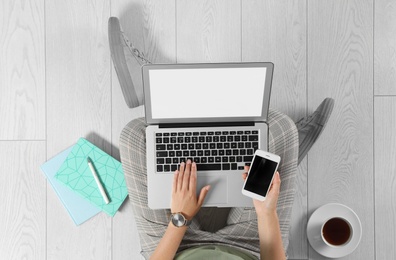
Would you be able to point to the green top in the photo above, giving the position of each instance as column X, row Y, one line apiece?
column 214, row 252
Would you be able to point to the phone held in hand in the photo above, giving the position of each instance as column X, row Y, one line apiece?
column 261, row 173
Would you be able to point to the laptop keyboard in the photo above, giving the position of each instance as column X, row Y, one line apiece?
column 211, row 150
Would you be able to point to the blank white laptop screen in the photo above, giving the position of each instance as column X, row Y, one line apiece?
column 207, row 92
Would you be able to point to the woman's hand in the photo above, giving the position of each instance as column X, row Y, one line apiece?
column 184, row 191
column 184, row 200
column 270, row 202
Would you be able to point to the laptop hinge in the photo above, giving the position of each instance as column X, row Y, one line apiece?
column 212, row 124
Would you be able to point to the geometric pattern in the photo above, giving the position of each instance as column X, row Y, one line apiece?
column 76, row 174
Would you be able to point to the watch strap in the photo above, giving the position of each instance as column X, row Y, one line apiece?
column 188, row 222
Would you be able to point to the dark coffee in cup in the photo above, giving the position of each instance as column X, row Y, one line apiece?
column 336, row 231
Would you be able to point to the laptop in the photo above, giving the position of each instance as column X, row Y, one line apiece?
column 214, row 114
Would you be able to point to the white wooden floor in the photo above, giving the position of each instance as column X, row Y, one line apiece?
column 57, row 84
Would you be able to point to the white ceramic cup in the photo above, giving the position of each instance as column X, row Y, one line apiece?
column 336, row 232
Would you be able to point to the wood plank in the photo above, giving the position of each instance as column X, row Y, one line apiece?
column 22, row 70
column 275, row 31
column 385, row 182
column 298, row 243
column 340, row 65
column 208, row 31
column 23, row 193
column 385, row 47
column 151, row 27
column 160, row 30
column 78, row 105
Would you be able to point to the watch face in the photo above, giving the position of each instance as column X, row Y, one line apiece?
column 178, row 220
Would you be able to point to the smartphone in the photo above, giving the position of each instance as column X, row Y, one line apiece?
column 261, row 173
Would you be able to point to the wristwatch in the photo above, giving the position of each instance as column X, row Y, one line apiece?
column 179, row 220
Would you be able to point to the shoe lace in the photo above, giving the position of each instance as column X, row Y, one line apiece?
column 138, row 54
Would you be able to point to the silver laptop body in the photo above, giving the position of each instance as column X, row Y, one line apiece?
column 213, row 114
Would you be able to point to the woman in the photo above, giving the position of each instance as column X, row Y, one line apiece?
column 248, row 233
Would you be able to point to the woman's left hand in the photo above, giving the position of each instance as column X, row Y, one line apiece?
column 271, row 200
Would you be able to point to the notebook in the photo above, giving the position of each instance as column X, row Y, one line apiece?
column 80, row 209
column 76, row 175
column 213, row 114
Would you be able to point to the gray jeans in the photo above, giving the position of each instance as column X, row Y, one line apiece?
column 240, row 225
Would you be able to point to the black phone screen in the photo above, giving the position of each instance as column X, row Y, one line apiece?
column 260, row 175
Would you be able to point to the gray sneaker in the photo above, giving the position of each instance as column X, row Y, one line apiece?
column 310, row 128
column 127, row 60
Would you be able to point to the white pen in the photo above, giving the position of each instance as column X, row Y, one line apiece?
column 101, row 189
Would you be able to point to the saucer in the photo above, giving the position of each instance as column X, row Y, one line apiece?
column 321, row 215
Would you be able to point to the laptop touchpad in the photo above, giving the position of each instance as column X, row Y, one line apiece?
column 218, row 189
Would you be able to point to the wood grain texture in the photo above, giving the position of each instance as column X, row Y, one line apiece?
column 208, row 31
column 385, row 47
column 385, row 177
column 298, row 243
column 23, row 203
column 160, row 30
column 78, row 74
column 275, row 31
column 340, row 65
column 22, row 70
column 78, row 105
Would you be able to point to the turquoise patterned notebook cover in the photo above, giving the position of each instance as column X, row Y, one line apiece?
column 75, row 173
